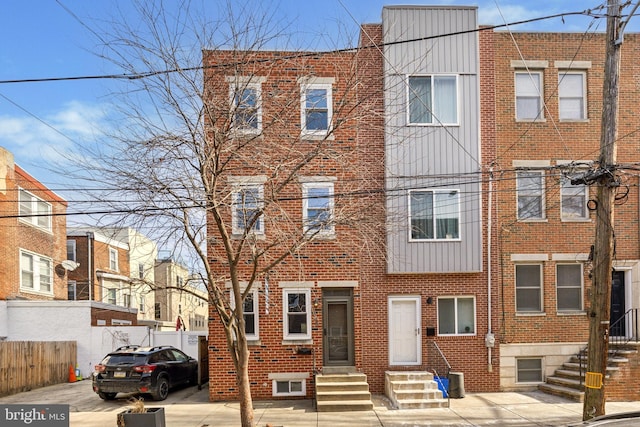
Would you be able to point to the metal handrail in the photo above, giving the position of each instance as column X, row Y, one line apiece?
column 618, row 333
column 440, row 360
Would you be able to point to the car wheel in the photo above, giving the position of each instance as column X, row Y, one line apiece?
column 162, row 389
column 107, row 396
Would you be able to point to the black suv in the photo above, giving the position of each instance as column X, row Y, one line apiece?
column 152, row 370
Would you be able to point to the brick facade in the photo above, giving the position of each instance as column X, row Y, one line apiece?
column 547, row 145
column 21, row 234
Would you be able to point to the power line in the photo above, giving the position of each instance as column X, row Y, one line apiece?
column 147, row 74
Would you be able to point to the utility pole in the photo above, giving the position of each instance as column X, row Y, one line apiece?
column 599, row 312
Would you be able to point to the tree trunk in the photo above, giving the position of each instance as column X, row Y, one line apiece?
column 244, row 385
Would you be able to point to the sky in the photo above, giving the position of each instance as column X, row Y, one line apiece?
column 59, row 38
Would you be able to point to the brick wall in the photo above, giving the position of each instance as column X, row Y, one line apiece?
column 18, row 234
column 556, row 141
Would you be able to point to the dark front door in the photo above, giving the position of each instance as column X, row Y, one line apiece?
column 337, row 327
column 617, row 305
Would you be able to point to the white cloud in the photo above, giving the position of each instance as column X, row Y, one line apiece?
column 32, row 140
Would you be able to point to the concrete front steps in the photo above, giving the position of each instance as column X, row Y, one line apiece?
column 346, row 391
column 565, row 382
column 413, row 390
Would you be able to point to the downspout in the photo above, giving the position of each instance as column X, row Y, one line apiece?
column 89, row 264
column 490, row 338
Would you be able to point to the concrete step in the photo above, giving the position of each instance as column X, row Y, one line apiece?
column 341, row 386
column 409, row 376
column 413, row 385
column 344, row 406
column 566, row 392
column 566, row 382
column 422, row 404
column 326, row 396
column 402, row 395
column 341, row 378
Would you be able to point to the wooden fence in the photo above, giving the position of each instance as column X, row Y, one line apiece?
column 25, row 365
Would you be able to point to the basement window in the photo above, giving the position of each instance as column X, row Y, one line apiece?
column 529, row 370
column 289, row 388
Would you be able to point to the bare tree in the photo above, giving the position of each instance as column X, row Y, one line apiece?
column 210, row 153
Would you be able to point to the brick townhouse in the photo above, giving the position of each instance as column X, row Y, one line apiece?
column 32, row 236
column 289, row 109
column 421, row 274
column 548, row 108
column 102, row 275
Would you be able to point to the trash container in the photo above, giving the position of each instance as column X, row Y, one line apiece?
column 456, row 385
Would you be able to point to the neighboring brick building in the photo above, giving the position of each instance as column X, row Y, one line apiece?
column 548, row 108
column 102, row 274
column 32, row 236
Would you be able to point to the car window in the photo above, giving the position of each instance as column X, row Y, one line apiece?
column 180, row 356
column 123, row 359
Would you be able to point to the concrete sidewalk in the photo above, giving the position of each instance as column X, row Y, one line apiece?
column 477, row 409
column 190, row 407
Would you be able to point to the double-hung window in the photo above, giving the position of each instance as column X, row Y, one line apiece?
column 456, row 316
column 113, row 259
column 529, row 288
column 316, row 108
column 573, row 200
column 434, row 215
column 433, row 100
column 36, row 272
column 71, row 250
column 530, row 191
column 569, row 287
column 317, row 208
column 297, row 314
column 245, row 95
column 247, row 209
column 250, row 314
column 571, row 95
column 528, row 95
column 33, row 210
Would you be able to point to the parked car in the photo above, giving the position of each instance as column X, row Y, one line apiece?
column 149, row 370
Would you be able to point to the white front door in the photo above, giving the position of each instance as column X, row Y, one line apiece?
column 404, row 330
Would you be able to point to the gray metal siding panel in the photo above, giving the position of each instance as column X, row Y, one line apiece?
column 414, row 154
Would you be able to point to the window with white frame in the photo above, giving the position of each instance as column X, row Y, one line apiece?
column 569, row 278
column 530, row 192
column 71, row 250
column 36, row 272
column 112, row 296
column 433, row 100
column 246, row 104
column 141, row 304
column 113, row 259
column 33, row 210
column 456, row 316
column 528, row 370
column 316, row 109
column 317, row 208
column 528, row 288
column 572, row 95
column 529, row 95
column 72, row 290
column 126, row 300
column 434, row 215
column 140, row 270
column 573, row 200
column 294, row 387
column 250, row 314
column 297, row 314
column 247, row 209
